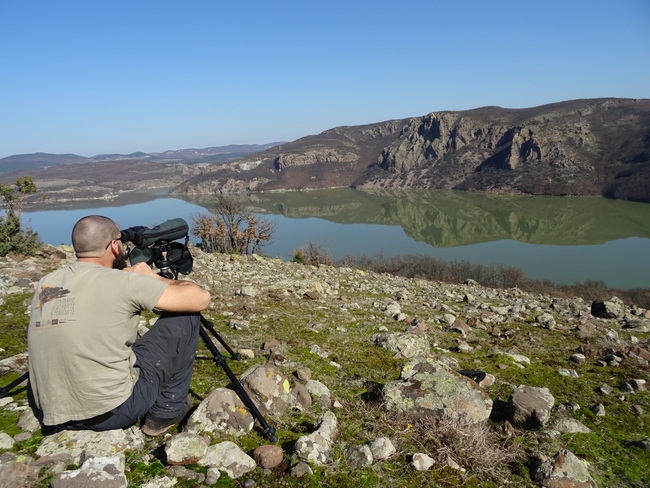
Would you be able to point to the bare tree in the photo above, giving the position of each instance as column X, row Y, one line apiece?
column 232, row 229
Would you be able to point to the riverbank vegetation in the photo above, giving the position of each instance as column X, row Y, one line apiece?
column 493, row 276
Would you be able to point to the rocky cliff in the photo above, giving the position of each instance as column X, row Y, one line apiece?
column 580, row 147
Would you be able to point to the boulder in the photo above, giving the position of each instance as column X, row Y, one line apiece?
column 228, row 458
column 604, row 309
column 315, row 448
column 268, row 456
column 408, row 345
column 430, row 388
column 269, row 388
column 221, row 411
column 185, row 448
column 530, row 406
column 75, row 442
column 99, row 472
column 565, row 470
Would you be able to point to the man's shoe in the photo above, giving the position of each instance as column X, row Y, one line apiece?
column 156, row 426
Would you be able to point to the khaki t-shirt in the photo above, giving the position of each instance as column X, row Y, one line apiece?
column 83, row 322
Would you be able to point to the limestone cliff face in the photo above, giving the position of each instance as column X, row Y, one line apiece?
column 437, row 136
column 584, row 147
column 321, row 156
column 579, row 147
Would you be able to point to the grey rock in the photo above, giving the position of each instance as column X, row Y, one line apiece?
column 530, row 406
column 100, row 472
column 18, row 364
column 228, row 458
column 578, row 358
column 604, row 309
column 408, row 345
column 328, row 426
column 430, row 388
column 160, row 482
column 317, row 389
column 17, row 472
column 359, row 456
column 564, row 470
column 221, row 411
column 571, row 373
column 315, row 448
column 546, row 320
column 179, row 471
column 185, row 448
column 300, row 397
column 637, row 409
column 269, row 388
column 569, row 425
column 74, row 443
column 421, row 462
column 212, row 475
column 301, row 469
column 605, row 389
column 382, row 448
column 28, row 421
column 6, row 441
column 598, row 409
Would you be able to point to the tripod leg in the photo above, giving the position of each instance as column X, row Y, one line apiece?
column 6, row 389
column 269, row 432
column 210, row 326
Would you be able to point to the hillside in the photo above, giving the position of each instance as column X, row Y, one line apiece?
column 579, row 147
column 68, row 177
column 362, row 354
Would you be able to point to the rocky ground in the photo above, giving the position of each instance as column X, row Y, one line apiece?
column 373, row 378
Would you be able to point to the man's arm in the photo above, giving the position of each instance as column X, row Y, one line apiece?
column 179, row 296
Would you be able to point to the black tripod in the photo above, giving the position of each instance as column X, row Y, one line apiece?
column 6, row 389
column 220, row 360
column 164, row 255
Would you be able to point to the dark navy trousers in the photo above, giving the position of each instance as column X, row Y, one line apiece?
column 165, row 360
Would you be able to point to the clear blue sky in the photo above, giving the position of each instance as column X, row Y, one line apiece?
column 90, row 77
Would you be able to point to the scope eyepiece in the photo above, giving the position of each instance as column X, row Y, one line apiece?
column 133, row 234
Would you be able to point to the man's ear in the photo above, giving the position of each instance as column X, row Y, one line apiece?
column 115, row 247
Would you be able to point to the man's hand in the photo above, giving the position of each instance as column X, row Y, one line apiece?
column 141, row 268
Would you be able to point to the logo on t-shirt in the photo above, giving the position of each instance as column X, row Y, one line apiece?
column 49, row 293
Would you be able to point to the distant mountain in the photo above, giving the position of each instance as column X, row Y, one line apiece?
column 578, row 147
column 213, row 155
column 37, row 160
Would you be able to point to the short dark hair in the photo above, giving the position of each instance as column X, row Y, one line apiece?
column 91, row 234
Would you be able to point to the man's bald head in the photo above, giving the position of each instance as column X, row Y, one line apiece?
column 92, row 234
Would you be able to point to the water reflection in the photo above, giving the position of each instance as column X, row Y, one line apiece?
column 452, row 219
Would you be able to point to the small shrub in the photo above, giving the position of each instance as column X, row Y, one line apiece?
column 313, row 255
column 13, row 238
column 298, row 256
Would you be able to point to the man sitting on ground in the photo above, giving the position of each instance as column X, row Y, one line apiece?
column 86, row 369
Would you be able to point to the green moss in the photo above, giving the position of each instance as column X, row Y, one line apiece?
column 13, row 324
column 625, row 466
